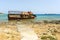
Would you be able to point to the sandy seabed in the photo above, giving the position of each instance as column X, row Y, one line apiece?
column 29, row 30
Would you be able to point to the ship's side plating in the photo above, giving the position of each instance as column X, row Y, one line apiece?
column 12, row 15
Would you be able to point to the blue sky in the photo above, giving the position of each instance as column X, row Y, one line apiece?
column 36, row 6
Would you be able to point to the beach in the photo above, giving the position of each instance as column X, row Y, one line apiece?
column 30, row 30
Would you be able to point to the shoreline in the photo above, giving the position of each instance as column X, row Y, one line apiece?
column 43, row 28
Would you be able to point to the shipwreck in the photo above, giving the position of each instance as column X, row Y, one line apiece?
column 17, row 15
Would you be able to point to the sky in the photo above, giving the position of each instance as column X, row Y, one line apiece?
column 36, row 6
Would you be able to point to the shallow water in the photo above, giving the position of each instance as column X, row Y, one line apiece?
column 39, row 17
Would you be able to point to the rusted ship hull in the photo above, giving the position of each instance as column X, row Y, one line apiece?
column 19, row 16
column 15, row 15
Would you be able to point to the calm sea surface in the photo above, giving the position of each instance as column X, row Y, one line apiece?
column 40, row 17
column 3, row 17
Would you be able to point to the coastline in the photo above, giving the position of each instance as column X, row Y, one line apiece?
column 43, row 28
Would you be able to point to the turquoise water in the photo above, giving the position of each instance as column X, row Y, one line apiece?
column 4, row 17
column 41, row 17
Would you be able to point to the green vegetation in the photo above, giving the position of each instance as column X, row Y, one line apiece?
column 48, row 38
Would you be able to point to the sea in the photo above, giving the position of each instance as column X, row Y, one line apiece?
column 39, row 17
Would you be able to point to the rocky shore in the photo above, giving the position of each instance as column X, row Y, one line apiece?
column 44, row 30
